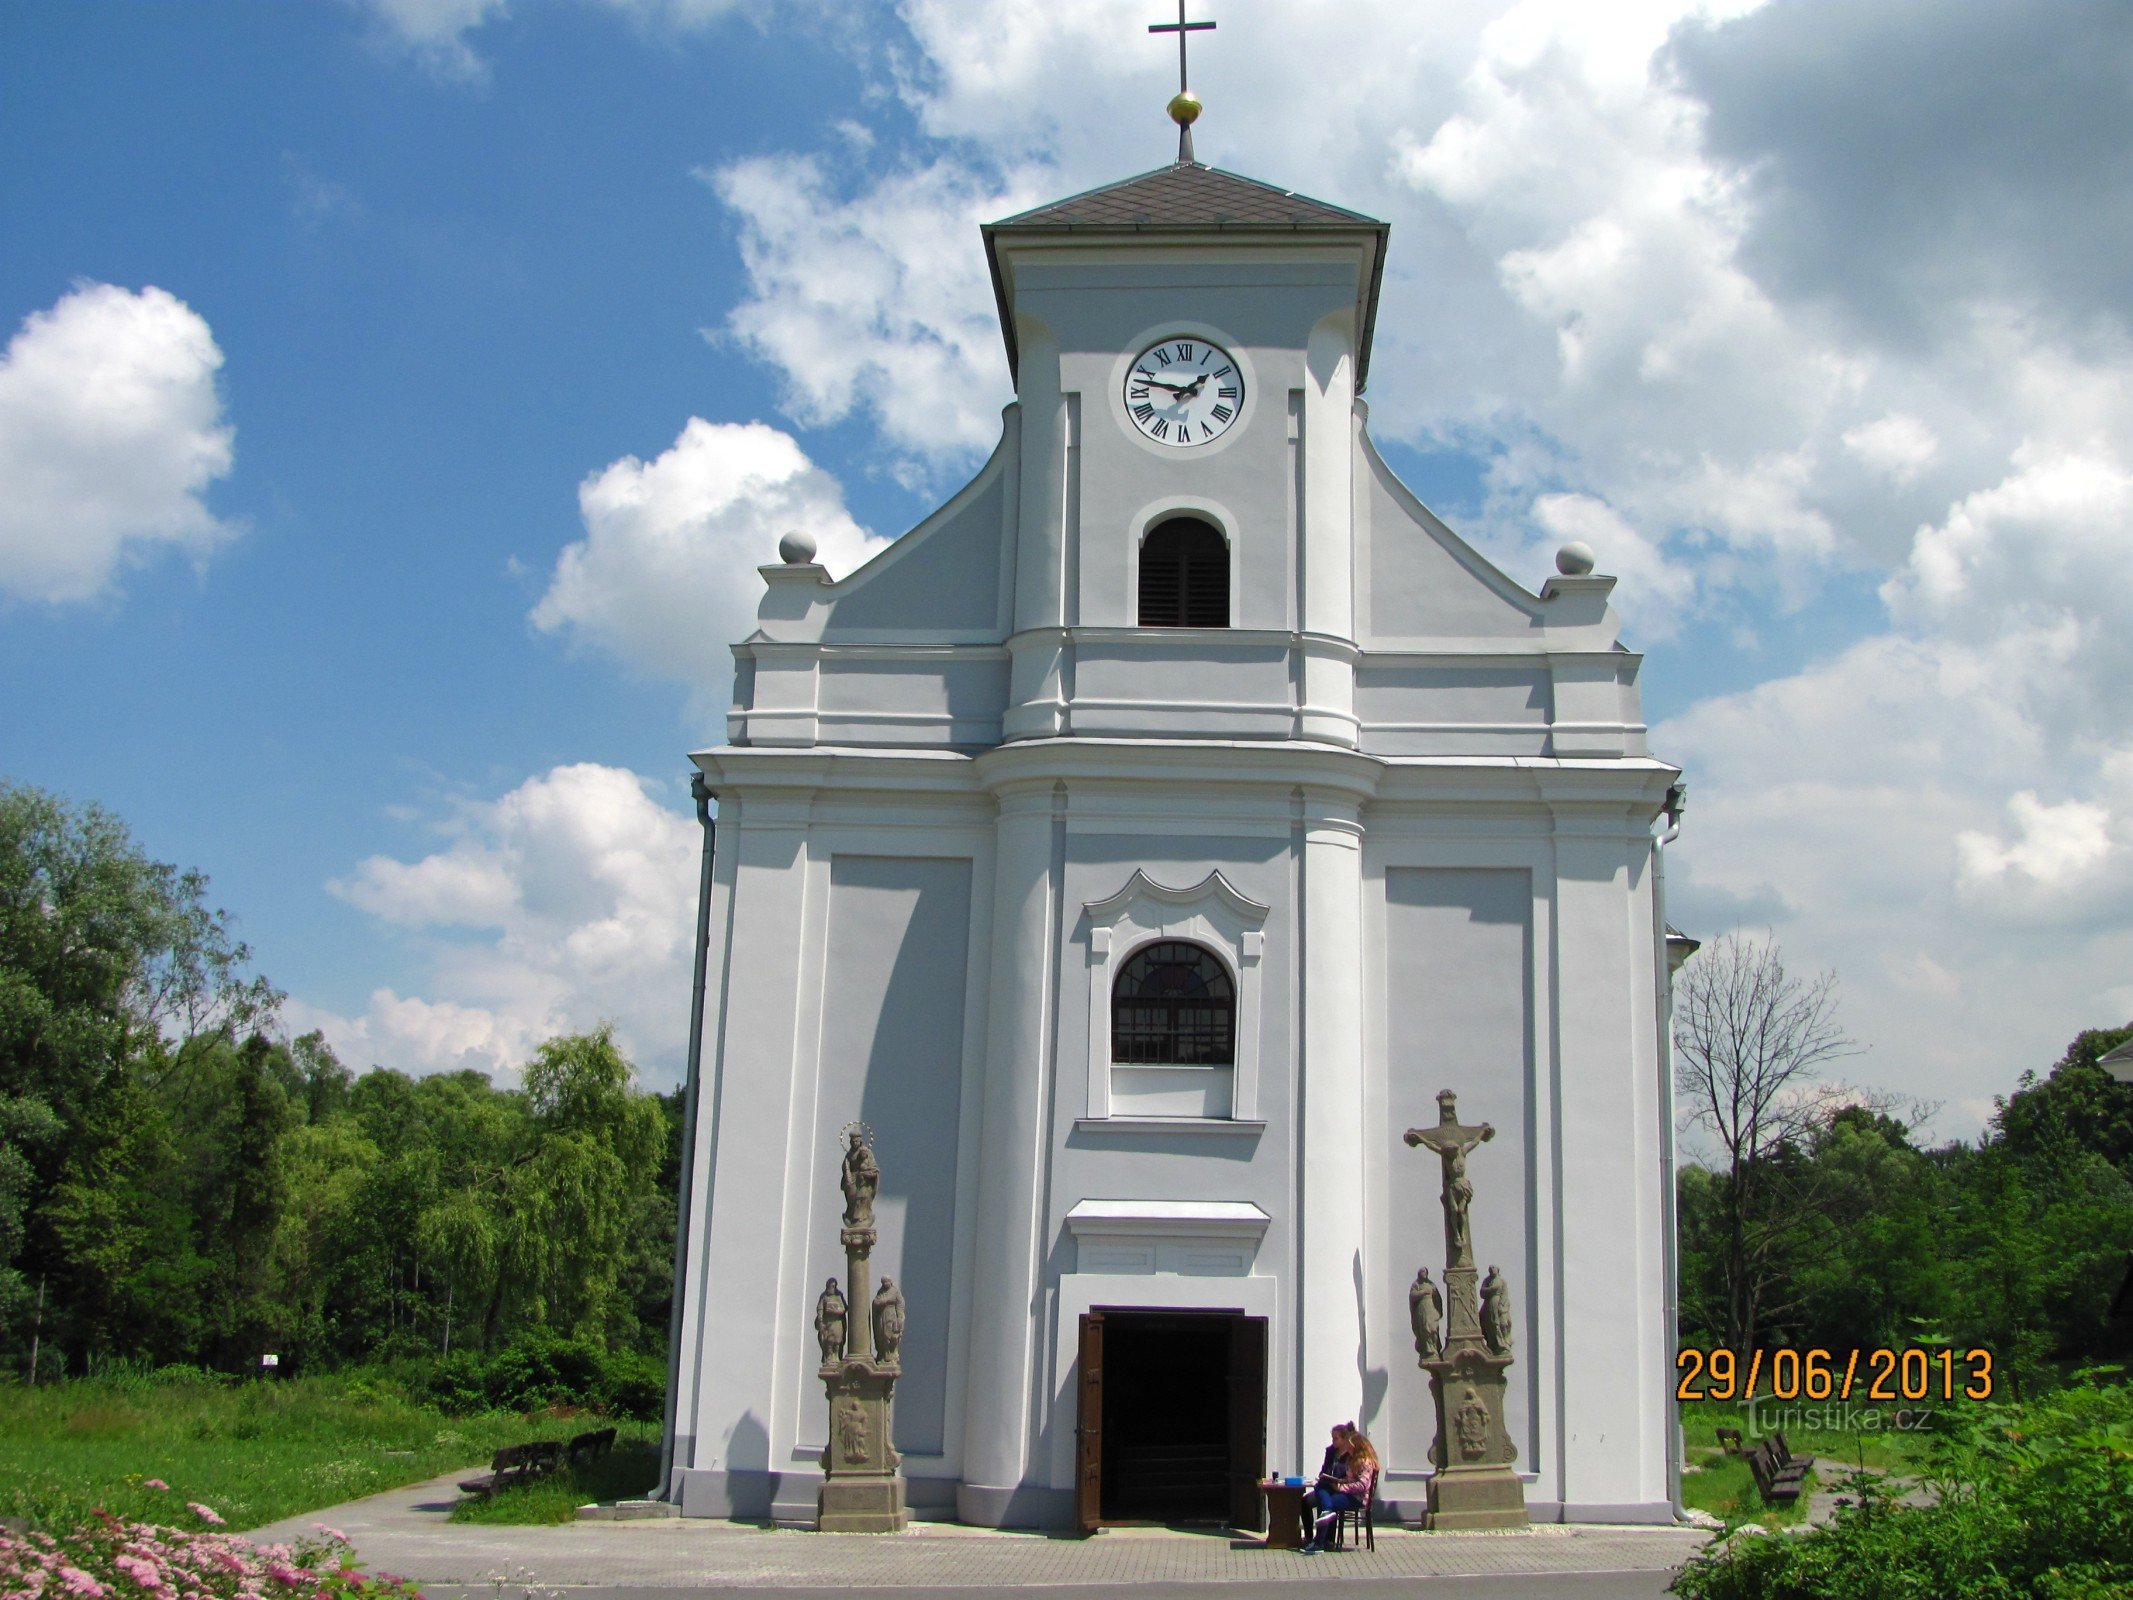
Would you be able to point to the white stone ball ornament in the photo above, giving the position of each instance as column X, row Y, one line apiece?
column 1575, row 559
column 797, row 548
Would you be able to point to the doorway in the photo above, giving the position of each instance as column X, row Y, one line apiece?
column 1172, row 1417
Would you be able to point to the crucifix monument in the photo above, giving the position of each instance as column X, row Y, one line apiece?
column 862, row 1492
column 1474, row 1485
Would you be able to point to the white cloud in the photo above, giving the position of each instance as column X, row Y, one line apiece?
column 111, row 432
column 1900, row 446
column 876, row 303
column 567, row 901
column 435, row 32
column 2057, row 845
column 665, row 577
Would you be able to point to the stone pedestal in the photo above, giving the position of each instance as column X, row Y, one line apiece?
column 1474, row 1485
column 861, row 1490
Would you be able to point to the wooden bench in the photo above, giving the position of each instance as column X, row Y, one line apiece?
column 1777, row 1472
column 1784, row 1450
column 518, row 1463
column 1729, row 1440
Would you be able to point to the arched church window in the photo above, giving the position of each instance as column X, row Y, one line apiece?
column 1174, row 1005
column 1184, row 576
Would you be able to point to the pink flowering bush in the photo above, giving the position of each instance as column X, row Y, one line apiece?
column 109, row 1559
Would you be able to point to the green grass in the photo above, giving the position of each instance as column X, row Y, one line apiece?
column 1859, row 1436
column 1724, row 1487
column 1870, row 1438
column 253, row 1451
column 627, row 1472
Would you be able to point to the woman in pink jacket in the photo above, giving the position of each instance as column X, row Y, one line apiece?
column 1345, row 1483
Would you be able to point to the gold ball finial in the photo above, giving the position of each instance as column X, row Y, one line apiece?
column 1184, row 108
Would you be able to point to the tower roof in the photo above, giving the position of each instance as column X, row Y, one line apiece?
column 1189, row 197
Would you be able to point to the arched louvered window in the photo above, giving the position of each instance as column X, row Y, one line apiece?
column 1174, row 1005
column 1184, row 576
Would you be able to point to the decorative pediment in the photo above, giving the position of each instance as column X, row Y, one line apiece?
column 1210, row 892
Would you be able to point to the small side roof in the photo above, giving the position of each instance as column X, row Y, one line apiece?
column 1193, row 198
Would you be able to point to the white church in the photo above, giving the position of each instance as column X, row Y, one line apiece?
column 1137, row 846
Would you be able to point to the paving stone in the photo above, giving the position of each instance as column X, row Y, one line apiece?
column 406, row 1532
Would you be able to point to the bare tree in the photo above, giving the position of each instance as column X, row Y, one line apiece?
column 1748, row 1038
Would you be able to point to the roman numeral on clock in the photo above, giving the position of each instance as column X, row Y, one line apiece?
column 1161, row 429
column 1143, row 412
column 1228, row 391
column 1221, row 414
column 1184, row 352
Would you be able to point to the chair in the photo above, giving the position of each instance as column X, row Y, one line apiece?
column 1364, row 1518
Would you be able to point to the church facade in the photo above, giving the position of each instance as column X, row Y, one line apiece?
column 1137, row 847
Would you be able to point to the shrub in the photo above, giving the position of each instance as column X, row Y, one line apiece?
column 107, row 1559
column 636, row 1386
column 2028, row 1500
column 537, row 1370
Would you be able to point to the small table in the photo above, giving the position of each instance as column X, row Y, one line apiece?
column 1284, row 1515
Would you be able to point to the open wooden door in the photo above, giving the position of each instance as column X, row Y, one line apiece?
column 1247, row 1421
column 1089, row 1426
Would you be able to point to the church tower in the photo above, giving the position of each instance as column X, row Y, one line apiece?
column 1138, row 845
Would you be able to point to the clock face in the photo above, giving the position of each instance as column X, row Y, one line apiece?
column 1184, row 391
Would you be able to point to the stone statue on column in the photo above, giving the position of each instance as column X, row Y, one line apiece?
column 888, row 1320
column 859, row 1331
column 1425, row 1312
column 1496, row 1312
column 1474, row 1485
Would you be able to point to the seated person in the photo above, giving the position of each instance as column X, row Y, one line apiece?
column 1346, row 1481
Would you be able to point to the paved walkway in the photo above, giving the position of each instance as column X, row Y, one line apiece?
column 405, row 1532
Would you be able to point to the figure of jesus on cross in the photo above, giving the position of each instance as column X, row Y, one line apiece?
column 1452, row 1140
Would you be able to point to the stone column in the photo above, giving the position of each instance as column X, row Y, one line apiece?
column 862, row 1492
column 1331, row 1386
column 1610, row 1128
column 1043, row 442
column 732, row 1369
column 1327, row 612
column 1474, row 1485
column 1004, row 1261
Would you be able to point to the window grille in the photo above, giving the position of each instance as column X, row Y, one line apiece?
column 1173, row 1004
column 1184, row 576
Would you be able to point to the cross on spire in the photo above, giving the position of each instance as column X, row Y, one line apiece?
column 1184, row 107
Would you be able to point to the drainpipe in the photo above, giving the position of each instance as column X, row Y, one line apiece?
column 701, row 794
column 1677, row 801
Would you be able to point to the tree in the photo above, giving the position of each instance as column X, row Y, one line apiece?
column 1748, row 1038
column 109, row 963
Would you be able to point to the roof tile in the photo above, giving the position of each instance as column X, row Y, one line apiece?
column 1188, row 196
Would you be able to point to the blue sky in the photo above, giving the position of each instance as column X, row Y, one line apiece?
column 369, row 557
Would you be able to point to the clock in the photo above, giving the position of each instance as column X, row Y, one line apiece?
column 1183, row 391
